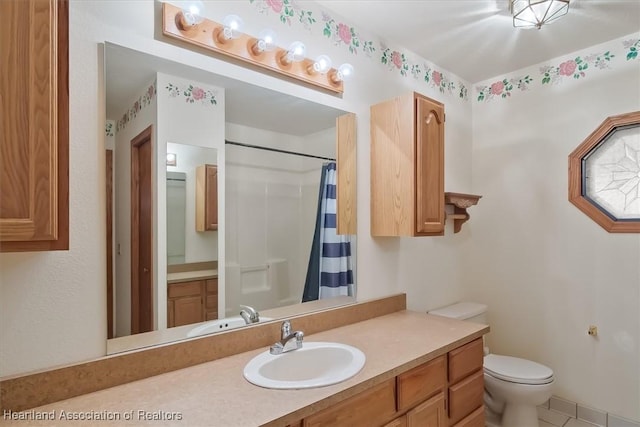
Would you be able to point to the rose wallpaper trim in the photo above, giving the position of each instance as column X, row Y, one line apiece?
column 632, row 45
column 576, row 68
column 346, row 36
column 108, row 128
column 192, row 94
column 143, row 101
column 286, row 10
column 342, row 34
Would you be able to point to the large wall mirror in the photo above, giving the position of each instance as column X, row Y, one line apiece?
column 219, row 195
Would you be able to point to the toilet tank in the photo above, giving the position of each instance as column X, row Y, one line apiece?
column 471, row 311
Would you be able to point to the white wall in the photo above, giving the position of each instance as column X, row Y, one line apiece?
column 52, row 305
column 126, row 131
column 545, row 269
column 197, row 121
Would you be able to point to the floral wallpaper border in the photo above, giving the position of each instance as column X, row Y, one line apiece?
column 192, row 94
column 344, row 35
column 109, row 128
column 570, row 69
column 350, row 38
column 142, row 102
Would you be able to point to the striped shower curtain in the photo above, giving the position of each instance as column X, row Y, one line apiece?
column 330, row 271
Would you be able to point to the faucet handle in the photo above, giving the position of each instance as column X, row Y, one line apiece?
column 285, row 329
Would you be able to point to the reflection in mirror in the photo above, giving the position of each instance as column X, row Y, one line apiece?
column 231, row 225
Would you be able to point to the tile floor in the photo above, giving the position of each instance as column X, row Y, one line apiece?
column 551, row 418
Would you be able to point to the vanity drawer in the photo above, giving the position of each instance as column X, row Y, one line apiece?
column 465, row 397
column 185, row 289
column 377, row 403
column 465, row 360
column 475, row 419
column 421, row 382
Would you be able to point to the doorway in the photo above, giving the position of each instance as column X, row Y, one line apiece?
column 142, row 232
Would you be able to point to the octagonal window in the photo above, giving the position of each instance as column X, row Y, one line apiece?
column 604, row 174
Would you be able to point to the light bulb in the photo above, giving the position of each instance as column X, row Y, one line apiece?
column 296, row 52
column 343, row 73
column 232, row 27
column 322, row 64
column 191, row 14
column 266, row 41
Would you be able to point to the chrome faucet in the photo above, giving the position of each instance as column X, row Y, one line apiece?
column 249, row 314
column 286, row 342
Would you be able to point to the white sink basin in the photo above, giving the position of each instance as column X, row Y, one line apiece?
column 220, row 325
column 316, row 364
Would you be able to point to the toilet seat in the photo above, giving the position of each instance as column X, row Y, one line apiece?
column 516, row 370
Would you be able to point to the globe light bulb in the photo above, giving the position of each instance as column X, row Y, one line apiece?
column 266, row 41
column 322, row 64
column 232, row 27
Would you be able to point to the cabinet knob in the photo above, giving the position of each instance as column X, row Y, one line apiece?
column 145, row 269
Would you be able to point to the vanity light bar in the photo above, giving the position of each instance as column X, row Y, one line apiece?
column 207, row 35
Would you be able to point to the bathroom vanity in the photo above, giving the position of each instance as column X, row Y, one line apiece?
column 420, row 370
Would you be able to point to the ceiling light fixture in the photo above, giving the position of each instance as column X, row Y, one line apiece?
column 536, row 13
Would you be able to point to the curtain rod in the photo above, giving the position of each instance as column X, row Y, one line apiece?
column 277, row 150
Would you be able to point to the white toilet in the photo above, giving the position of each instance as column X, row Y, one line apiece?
column 513, row 387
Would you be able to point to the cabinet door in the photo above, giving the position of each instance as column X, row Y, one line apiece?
column 428, row 414
column 211, row 197
column 206, row 198
column 430, row 213
column 34, row 111
column 187, row 310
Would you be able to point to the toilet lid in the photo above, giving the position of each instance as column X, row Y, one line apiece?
column 517, row 370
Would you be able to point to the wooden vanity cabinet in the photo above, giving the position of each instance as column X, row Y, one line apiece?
column 192, row 302
column 407, row 167
column 444, row 392
column 466, row 384
column 206, row 198
column 34, row 135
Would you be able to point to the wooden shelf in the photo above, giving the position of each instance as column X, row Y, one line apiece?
column 460, row 202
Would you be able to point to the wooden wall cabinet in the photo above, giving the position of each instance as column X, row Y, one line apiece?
column 444, row 392
column 407, row 167
column 206, row 198
column 34, row 129
column 192, row 302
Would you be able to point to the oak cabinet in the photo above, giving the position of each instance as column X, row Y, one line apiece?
column 407, row 167
column 206, row 198
column 444, row 392
column 192, row 302
column 34, row 144
column 428, row 414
